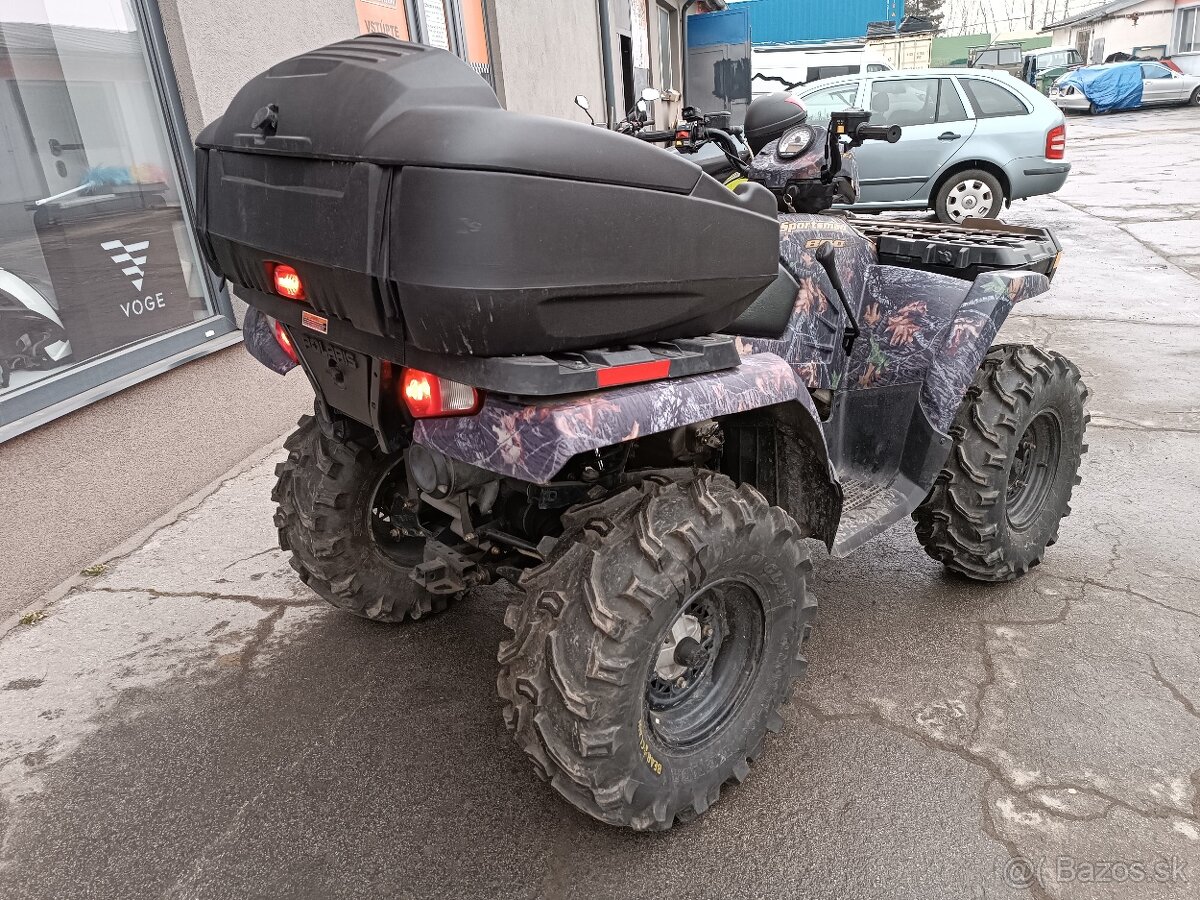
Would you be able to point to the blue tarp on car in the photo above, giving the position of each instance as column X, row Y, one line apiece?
column 1109, row 87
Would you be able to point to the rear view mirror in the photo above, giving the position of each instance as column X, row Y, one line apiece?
column 582, row 102
column 651, row 94
column 643, row 106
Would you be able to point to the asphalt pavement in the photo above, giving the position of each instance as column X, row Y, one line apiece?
column 191, row 722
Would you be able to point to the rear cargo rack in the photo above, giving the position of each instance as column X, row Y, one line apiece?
column 585, row 370
column 961, row 251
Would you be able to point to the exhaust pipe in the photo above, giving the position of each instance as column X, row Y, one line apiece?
column 439, row 476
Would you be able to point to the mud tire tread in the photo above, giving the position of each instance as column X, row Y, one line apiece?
column 570, row 673
column 962, row 523
column 320, row 491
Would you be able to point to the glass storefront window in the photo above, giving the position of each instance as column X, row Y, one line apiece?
column 96, row 252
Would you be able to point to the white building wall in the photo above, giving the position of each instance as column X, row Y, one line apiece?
column 548, row 52
column 1189, row 62
column 218, row 45
column 544, row 52
column 1124, row 34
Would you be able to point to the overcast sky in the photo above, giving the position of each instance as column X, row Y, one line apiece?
column 993, row 16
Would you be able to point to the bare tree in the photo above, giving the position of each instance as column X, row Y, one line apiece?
column 930, row 10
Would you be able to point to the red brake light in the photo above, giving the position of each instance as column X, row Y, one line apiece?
column 428, row 396
column 1056, row 143
column 287, row 282
column 285, row 341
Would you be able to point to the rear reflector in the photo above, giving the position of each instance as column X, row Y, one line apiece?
column 285, row 341
column 635, row 373
column 428, row 396
column 287, row 282
column 1056, row 143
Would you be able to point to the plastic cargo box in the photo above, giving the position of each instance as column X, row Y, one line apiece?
column 961, row 251
column 414, row 208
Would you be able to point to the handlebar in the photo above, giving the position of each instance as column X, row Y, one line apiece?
column 656, row 137
column 889, row 133
column 724, row 140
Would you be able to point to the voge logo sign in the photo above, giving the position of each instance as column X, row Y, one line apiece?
column 135, row 273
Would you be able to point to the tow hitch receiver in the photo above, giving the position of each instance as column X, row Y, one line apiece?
column 447, row 571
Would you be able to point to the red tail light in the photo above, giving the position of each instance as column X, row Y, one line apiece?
column 1056, row 143
column 287, row 282
column 428, row 396
column 285, row 341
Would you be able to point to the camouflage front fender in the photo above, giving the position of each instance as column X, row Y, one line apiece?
column 968, row 337
column 532, row 440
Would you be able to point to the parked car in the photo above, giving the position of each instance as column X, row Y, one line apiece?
column 1045, row 66
column 1161, row 86
column 1004, row 57
column 973, row 140
column 784, row 67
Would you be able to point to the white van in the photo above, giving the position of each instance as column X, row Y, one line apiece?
column 784, row 67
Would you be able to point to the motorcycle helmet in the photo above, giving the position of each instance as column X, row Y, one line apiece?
column 769, row 116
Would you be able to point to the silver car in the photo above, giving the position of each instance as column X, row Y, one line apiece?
column 1161, row 86
column 973, row 139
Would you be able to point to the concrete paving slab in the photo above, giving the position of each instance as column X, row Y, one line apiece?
column 83, row 484
column 1176, row 237
column 1106, row 273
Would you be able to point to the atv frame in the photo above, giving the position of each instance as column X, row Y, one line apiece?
column 860, row 394
column 647, row 487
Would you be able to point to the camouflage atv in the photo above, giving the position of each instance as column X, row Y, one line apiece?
column 557, row 356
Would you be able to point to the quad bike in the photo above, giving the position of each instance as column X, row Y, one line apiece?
column 557, row 356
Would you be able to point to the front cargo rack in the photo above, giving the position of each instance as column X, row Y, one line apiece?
column 961, row 251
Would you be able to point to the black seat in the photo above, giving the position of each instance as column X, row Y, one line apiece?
column 759, row 198
column 768, row 316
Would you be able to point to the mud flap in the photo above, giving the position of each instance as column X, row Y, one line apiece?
column 258, row 336
column 888, row 454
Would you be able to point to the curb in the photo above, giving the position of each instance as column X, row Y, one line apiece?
column 67, row 586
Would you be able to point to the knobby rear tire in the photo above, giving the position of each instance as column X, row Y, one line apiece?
column 324, row 491
column 574, row 674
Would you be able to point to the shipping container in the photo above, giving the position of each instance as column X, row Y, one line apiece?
column 780, row 21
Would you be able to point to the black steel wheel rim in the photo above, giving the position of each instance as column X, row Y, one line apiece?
column 394, row 529
column 1034, row 469
column 689, row 703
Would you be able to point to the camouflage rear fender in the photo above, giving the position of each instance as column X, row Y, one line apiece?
column 967, row 339
column 532, row 440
